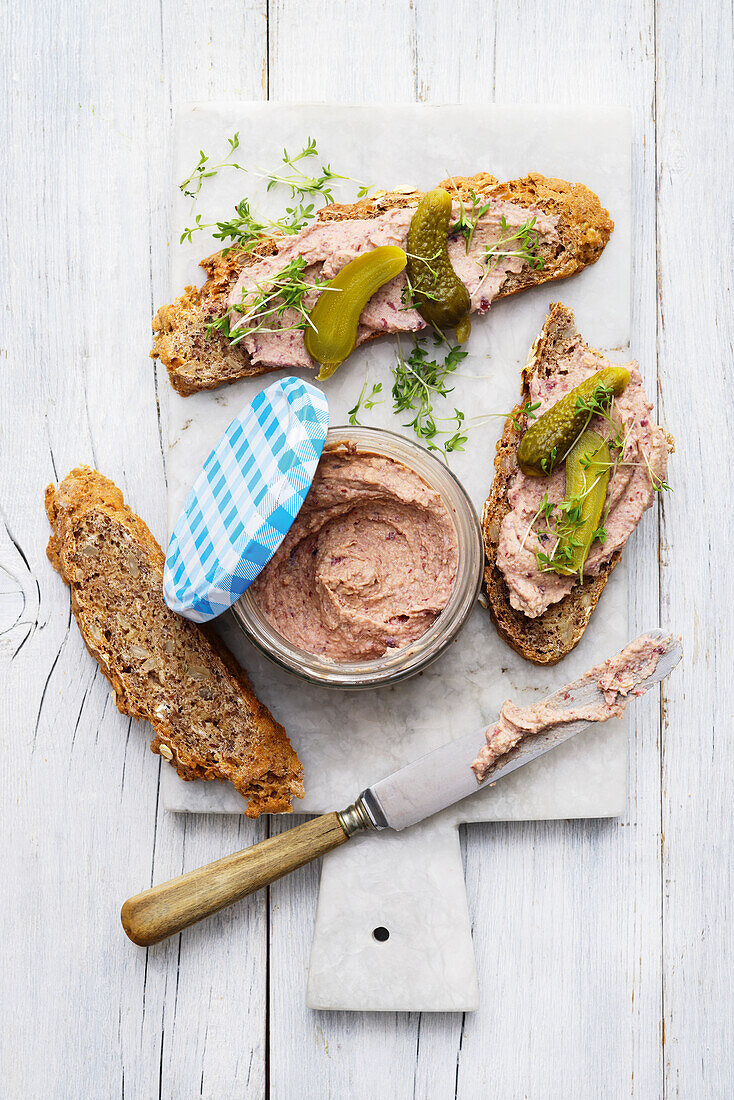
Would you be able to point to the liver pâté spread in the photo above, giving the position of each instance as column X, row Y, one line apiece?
column 618, row 680
column 368, row 564
column 328, row 245
column 642, row 466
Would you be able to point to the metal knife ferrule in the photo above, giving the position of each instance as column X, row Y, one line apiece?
column 365, row 814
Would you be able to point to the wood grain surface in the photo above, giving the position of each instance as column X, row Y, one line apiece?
column 605, row 949
column 169, row 907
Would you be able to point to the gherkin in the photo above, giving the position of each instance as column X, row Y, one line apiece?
column 547, row 440
column 438, row 293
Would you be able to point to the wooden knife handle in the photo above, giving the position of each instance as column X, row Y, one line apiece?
column 164, row 910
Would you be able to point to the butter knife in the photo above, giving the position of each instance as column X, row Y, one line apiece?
column 417, row 791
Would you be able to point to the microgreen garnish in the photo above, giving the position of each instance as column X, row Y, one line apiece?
column 220, row 325
column 418, row 380
column 598, row 401
column 546, row 508
column 528, row 240
column 545, row 511
column 244, row 229
column 205, row 169
column 287, row 289
column 658, row 484
column 549, row 461
column 527, row 410
column 300, row 183
column 364, row 401
column 466, row 223
column 407, row 294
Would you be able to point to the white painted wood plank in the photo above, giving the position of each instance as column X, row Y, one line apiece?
column 343, row 1054
column 69, row 838
column 80, row 1006
column 694, row 157
column 357, row 53
column 572, row 991
column 330, row 51
column 216, row 1002
column 586, row 930
column 87, row 124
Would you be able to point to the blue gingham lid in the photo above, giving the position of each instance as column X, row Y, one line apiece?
column 245, row 499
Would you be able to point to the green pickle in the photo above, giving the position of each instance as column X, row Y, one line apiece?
column 438, row 293
column 332, row 334
column 548, row 439
column 587, row 479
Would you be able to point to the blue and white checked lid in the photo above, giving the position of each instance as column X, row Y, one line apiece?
column 245, row 499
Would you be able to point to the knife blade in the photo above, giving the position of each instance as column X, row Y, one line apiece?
column 443, row 777
column 417, row 791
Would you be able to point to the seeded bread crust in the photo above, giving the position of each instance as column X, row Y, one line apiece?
column 174, row 673
column 550, row 637
column 196, row 361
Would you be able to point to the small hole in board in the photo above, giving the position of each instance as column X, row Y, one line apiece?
column 380, row 934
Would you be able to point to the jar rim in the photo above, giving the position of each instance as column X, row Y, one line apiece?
column 409, row 660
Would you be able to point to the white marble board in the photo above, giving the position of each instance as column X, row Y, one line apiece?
column 413, row 884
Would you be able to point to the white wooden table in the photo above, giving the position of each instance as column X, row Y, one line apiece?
column 605, row 949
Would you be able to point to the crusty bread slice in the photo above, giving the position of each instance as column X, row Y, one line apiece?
column 196, row 361
column 548, row 638
column 179, row 676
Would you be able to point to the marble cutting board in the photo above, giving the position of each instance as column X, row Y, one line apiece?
column 412, row 883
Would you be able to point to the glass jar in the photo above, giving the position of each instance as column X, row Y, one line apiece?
column 397, row 664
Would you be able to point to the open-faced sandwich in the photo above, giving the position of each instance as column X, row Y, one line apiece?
column 464, row 244
column 578, row 463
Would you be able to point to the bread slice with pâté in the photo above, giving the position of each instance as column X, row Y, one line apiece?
column 550, row 636
column 178, row 675
column 199, row 358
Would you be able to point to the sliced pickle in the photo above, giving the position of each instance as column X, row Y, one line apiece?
column 587, row 479
column 332, row 334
